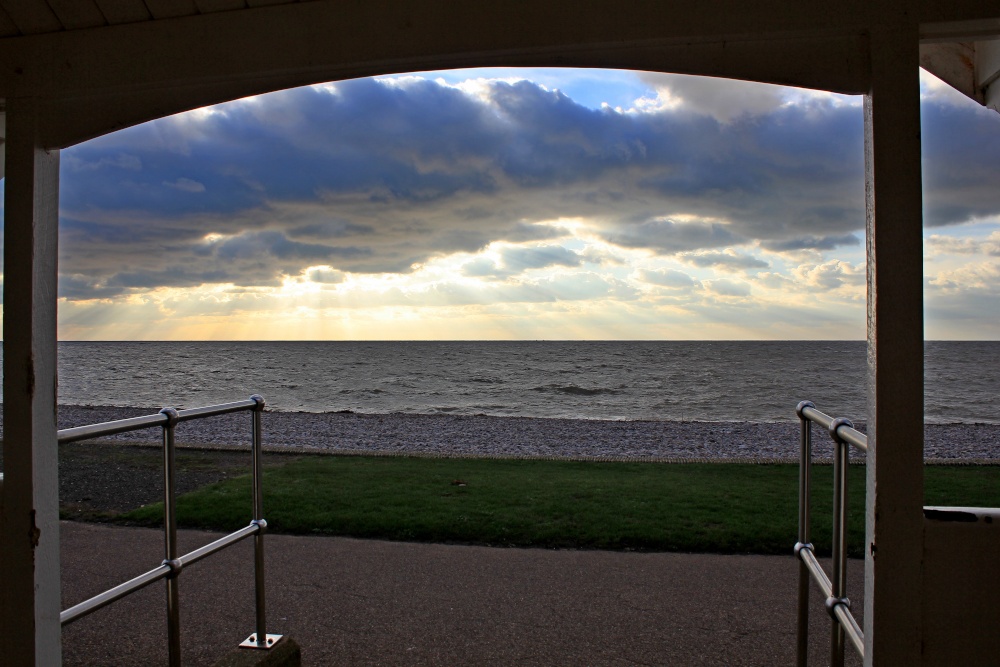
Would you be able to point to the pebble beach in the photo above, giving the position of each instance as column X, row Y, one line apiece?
column 524, row 437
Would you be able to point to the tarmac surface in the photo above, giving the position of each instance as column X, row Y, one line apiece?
column 363, row 602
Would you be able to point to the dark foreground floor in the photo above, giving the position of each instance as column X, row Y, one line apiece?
column 357, row 602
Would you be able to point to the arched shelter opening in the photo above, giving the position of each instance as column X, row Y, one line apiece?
column 481, row 188
column 70, row 74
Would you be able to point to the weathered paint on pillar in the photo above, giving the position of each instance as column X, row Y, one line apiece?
column 29, row 543
column 895, row 352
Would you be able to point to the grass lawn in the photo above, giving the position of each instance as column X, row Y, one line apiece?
column 721, row 508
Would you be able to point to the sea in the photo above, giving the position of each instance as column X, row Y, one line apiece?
column 613, row 380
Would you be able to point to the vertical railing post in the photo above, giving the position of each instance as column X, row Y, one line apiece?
column 805, row 468
column 839, row 542
column 258, row 517
column 170, row 539
column 260, row 638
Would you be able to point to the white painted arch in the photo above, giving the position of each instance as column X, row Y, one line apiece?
column 66, row 77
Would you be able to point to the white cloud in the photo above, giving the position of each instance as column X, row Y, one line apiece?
column 730, row 288
column 830, row 275
column 119, row 161
column 977, row 276
column 325, row 275
column 517, row 259
column 601, row 257
column 933, row 89
column 728, row 260
column 774, row 281
column 938, row 244
column 481, row 267
column 669, row 278
column 964, row 303
column 185, row 185
column 723, row 99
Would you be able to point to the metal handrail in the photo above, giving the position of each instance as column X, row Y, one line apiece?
column 838, row 605
column 172, row 565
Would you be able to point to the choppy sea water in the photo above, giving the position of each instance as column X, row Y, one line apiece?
column 698, row 381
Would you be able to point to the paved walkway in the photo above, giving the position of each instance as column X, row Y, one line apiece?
column 360, row 602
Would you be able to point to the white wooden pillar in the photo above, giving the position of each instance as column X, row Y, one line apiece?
column 895, row 351
column 29, row 532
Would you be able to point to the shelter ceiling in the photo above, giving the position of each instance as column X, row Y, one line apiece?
column 100, row 65
column 33, row 17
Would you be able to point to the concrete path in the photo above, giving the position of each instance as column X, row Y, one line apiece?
column 360, row 602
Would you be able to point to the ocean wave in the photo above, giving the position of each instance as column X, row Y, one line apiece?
column 486, row 380
column 664, row 380
column 574, row 390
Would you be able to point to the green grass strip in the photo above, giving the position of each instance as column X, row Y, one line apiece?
column 718, row 508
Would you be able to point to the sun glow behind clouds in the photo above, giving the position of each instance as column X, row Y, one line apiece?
column 512, row 204
column 596, row 291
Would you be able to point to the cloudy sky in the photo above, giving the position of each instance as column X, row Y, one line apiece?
column 523, row 204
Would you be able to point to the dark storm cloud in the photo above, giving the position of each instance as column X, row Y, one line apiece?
column 169, row 278
column 325, row 276
column 75, row 287
column 374, row 177
column 332, row 229
column 521, row 232
column 522, row 259
column 669, row 237
column 812, row 243
column 273, row 244
column 961, row 156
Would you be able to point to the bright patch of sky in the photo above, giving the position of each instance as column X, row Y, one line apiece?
column 515, row 204
column 591, row 88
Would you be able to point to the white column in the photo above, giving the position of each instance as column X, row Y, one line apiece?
column 29, row 533
column 895, row 352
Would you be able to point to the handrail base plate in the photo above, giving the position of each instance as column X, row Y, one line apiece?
column 251, row 642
